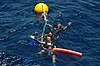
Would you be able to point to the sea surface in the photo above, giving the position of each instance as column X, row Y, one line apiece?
column 18, row 21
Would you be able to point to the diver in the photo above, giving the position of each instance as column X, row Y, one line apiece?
column 50, row 34
column 59, row 28
column 47, row 46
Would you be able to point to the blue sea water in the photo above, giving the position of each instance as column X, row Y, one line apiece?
column 18, row 21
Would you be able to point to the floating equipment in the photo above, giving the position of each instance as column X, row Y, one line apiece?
column 67, row 51
column 34, row 42
column 41, row 8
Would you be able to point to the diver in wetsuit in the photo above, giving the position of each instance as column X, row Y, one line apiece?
column 47, row 46
column 59, row 28
column 50, row 34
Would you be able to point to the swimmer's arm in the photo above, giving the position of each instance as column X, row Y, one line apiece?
column 51, row 27
column 69, row 24
column 42, row 42
column 65, row 27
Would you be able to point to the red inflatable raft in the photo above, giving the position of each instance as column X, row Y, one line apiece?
column 67, row 51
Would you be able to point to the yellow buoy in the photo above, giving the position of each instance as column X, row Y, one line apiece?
column 41, row 7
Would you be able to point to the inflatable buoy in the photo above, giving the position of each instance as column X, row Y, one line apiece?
column 40, row 8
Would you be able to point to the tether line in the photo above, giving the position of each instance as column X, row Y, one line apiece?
column 45, row 19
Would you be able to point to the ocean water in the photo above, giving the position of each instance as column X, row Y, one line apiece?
column 18, row 21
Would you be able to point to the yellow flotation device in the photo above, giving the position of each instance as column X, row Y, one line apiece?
column 41, row 8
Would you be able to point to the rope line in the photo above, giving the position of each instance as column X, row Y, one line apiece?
column 45, row 19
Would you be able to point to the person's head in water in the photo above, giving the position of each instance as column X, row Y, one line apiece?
column 59, row 25
column 48, row 39
column 50, row 33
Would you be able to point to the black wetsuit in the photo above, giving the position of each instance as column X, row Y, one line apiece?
column 47, row 35
column 57, row 31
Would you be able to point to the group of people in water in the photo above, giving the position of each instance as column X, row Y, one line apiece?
column 49, row 38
